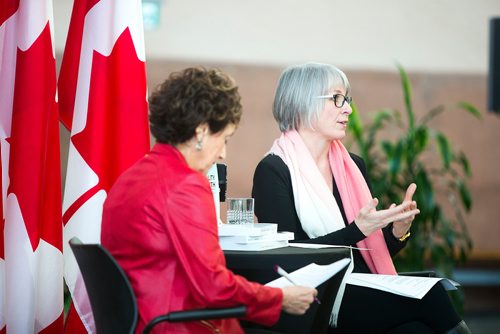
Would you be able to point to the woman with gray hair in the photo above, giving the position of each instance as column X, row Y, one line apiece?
column 311, row 185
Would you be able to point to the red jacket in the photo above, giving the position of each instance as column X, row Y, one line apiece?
column 159, row 223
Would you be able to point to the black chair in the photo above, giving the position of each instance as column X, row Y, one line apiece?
column 112, row 299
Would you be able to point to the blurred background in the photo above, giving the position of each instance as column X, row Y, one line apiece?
column 442, row 44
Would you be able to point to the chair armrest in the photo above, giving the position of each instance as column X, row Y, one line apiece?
column 200, row 314
column 424, row 273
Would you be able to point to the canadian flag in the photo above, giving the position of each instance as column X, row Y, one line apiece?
column 102, row 96
column 31, row 261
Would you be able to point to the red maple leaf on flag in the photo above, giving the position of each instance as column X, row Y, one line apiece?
column 35, row 167
column 107, row 144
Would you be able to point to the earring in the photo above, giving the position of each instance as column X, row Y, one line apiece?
column 198, row 145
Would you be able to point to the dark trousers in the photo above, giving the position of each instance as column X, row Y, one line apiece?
column 365, row 310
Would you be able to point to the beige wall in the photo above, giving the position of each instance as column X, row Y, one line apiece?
column 372, row 91
column 425, row 35
column 443, row 45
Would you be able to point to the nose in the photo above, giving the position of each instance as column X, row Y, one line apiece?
column 347, row 109
column 222, row 154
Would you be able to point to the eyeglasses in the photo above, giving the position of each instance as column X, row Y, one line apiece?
column 338, row 99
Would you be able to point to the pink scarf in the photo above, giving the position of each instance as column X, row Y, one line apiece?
column 315, row 204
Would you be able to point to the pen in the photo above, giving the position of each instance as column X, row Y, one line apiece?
column 285, row 275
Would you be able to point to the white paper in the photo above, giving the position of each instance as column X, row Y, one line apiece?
column 408, row 286
column 311, row 275
column 320, row 246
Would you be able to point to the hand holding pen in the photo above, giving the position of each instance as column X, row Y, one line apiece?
column 285, row 275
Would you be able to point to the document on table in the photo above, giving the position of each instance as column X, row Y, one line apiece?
column 408, row 286
column 311, row 275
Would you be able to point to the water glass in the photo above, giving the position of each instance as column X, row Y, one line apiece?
column 240, row 210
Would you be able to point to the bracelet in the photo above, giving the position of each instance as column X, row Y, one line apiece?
column 404, row 237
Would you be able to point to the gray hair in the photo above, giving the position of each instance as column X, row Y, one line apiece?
column 295, row 102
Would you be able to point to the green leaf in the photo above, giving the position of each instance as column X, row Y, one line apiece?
column 465, row 195
column 379, row 120
column 436, row 215
column 432, row 113
column 396, row 115
column 381, row 116
column 394, row 160
column 354, row 125
column 424, row 194
column 386, row 148
column 405, row 81
column 444, row 149
column 421, row 139
column 438, row 252
column 464, row 162
column 470, row 108
column 450, row 238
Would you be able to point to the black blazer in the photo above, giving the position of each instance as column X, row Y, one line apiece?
column 274, row 203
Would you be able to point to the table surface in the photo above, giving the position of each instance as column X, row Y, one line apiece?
column 289, row 258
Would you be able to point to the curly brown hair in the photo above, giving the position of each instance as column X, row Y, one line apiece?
column 192, row 97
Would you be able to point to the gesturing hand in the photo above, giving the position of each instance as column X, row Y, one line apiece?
column 369, row 219
column 400, row 227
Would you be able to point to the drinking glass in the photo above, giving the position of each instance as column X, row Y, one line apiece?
column 240, row 210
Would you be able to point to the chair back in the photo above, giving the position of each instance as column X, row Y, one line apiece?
column 111, row 296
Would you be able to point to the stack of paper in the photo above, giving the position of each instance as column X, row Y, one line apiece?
column 408, row 286
column 252, row 237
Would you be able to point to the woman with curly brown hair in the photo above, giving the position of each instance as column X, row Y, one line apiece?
column 159, row 219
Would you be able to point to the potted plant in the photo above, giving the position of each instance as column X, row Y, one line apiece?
column 416, row 152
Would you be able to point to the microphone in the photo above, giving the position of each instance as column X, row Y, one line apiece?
column 222, row 173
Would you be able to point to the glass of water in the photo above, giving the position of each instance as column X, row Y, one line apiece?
column 240, row 211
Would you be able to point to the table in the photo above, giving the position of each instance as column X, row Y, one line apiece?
column 258, row 267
